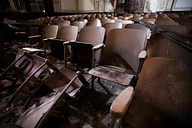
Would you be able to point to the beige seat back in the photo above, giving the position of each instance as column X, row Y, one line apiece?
column 96, row 24
column 140, row 27
column 175, row 28
column 68, row 33
column 50, row 31
column 165, row 21
column 150, row 20
column 110, row 26
column 65, row 33
column 104, row 21
column 162, row 97
column 92, row 35
column 160, row 46
column 122, row 48
column 62, row 23
column 79, row 24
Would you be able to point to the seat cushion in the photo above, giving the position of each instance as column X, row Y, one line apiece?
column 113, row 73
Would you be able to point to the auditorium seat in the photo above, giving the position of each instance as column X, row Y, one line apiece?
column 162, row 97
column 119, row 61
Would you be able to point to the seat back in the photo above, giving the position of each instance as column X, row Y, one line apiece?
column 94, row 20
column 150, row 20
column 122, row 48
column 163, row 95
column 50, row 31
column 160, row 46
column 93, row 35
column 104, row 21
column 82, row 54
column 110, row 26
column 175, row 28
column 88, row 38
column 62, row 23
column 140, row 27
column 79, row 24
column 165, row 21
column 95, row 24
column 66, row 33
column 84, row 21
column 30, row 64
column 36, row 61
column 124, row 22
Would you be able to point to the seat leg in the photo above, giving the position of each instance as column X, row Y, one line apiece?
column 119, row 123
column 99, row 81
column 112, row 123
column 92, row 82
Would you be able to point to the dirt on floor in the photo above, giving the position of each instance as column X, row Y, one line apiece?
column 89, row 110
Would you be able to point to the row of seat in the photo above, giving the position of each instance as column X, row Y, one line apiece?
column 122, row 67
column 158, row 100
column 98, row 35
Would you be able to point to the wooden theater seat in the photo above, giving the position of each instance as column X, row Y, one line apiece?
column 161, row 46
column 66, row 82
column 140, row 27
column 110, row 26
column 28, row 68
column 162, row 97
column 119, row 60
column 65, row 33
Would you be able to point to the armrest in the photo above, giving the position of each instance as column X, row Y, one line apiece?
column 97, row 47
column 94, row 49
column 66, row 43
column 33, row 37
column 142, row 54
column 32, row 49
column 121, row 104
column 48, row 39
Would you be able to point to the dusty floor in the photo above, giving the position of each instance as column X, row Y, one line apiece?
column 91, row 110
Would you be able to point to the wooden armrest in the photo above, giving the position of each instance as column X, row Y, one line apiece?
column 47, row 39
column 53, row 40
column 66, row 43
column 33, row 37
column 142, row 54
column 33, row 49
column 97, row 47
column 120, row 105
